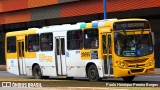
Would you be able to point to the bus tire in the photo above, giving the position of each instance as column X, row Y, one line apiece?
column 93, row 73
column 37, row 72
column 128, row 78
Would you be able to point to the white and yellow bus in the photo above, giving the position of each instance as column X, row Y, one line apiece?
column 100, row 49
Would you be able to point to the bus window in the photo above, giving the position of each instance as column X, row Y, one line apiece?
column 46, row 41
column 33, row 42
column 57, row 46
column 104, row 44
column 91, row 39
column 133, row 44
column 109, row 44
column 11, row 44
column 74, row 40
column 62, row 46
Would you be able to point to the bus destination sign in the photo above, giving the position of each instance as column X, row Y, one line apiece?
column 129, row 25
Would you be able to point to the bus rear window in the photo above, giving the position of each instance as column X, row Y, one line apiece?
column 11, row 44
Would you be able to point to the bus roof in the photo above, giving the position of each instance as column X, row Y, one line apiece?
column 106, row 22
column 66, row 27
column 24, row 32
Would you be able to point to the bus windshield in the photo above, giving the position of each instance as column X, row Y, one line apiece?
column 132, row 43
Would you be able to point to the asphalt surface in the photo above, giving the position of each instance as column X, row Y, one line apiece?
column 141, row 78
column 5, row 74
column 2, row 88
column 76, row 82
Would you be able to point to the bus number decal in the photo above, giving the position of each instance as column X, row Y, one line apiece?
column 43, row 57
column 85, row 55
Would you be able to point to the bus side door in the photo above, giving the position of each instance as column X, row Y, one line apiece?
column 21, row 59
column 60, row 56
column 107, row 54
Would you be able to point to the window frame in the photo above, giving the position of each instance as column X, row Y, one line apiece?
column 15, row 50
column 81, row 39
column 40, row 41
column 92, row 38
column 35, row 43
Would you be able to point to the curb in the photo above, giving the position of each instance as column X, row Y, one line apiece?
column 157, row 70
column 2, row 67
column 80, row 88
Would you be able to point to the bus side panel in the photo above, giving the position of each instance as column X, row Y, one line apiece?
column 11, row 60
column 45, row 59
column 28, row 67
column 12, row 66
column 99, row 65
column 46, row 62
column 29, row 63
column 77, row 67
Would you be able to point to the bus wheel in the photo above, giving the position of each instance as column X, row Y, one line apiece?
column 128, row 78
column 37, row 72
column 93, row 73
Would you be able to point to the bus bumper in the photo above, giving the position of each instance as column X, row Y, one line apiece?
column 119, row 72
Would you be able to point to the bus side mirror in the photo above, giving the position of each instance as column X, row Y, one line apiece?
column 153, row 38
column 109, row 41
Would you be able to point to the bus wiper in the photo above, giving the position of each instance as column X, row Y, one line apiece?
column 124, row 31
column 141, row 35
column 142, row 31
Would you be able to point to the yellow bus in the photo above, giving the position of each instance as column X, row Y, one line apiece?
column 120, row 48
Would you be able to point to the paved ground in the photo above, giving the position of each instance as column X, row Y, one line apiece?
column 5, row 76
column 2, row 67
column 79, row 83
column 12, row 88
column 64, row 88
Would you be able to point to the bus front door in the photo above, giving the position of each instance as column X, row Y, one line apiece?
column 60, row 56
column 107, row 54
column 21, row 60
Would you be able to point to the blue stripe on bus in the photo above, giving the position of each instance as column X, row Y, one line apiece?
column 94, row 24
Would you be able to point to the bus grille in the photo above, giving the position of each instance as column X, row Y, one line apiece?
column 136, row 70
column 136, row 61
column 139, row 65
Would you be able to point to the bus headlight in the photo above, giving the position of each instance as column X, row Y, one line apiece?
column 151, row 63
column 122, row 65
